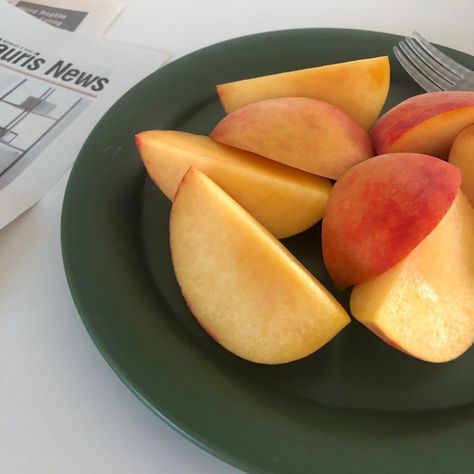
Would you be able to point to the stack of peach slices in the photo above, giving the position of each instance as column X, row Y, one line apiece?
column 395, row 197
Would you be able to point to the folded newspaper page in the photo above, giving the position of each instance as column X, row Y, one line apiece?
column 91, row 17
column 54, row 87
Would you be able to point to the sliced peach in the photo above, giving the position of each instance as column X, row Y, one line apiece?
column 427, row 123
column 462, row 156
column 244, row 288
column 424, row 304
column 381, row 209
column 308, row 134
column 359, row 87
column 285, row 200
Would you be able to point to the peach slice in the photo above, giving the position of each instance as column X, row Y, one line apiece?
column 242, row 285
column 424, row 305
column 285, row 200
column 462, row 156
column 359, row 87
column 427, row 123
column 308, row 134
column 381, row 209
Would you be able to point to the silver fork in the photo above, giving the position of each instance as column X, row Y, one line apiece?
column 432, row 69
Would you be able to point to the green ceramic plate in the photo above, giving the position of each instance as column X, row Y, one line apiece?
column 356, row 406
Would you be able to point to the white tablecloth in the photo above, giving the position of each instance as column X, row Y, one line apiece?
column 62, row 409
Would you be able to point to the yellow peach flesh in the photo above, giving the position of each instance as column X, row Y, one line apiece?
column 285, row 200
column 244, row 287
column 424, row 304
column 462, row 156
column 358, row 87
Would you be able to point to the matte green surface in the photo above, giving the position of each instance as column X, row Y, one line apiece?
column 356, row 406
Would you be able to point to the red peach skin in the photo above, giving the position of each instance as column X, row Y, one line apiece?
column 380, row 210
column 427, row 123
column 307, row 134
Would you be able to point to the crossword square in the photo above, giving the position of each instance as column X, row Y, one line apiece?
column 31, row 102
column 6, row 136
column 45, row 107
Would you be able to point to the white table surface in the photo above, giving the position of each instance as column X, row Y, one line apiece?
column 62, row 409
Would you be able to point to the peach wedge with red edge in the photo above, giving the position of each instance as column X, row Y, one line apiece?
column 427, row 123
column 424, row 304
column 462, row 156
column 285, row 200
column 358, row 87
column 308, row 134
column 242, row 285
column 380, row 210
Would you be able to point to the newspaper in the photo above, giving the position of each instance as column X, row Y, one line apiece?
column 91, row 17
column 52, row 93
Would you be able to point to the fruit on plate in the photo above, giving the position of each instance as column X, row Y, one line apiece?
column 358, row 87
column 285, row 200
column 427, row 123
column 424, row 305
column 381, row 209
column 242, row 285
column 462, row 156
column 308, row 134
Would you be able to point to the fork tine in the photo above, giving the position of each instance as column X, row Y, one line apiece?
column 442, row 58
column 432, row 63
column 414, row 72
column 424, row 68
